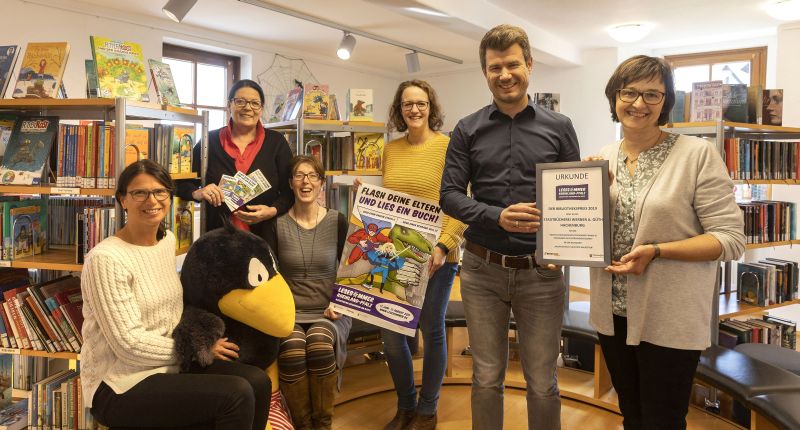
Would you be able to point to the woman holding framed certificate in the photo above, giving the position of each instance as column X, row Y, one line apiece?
column 673, row 218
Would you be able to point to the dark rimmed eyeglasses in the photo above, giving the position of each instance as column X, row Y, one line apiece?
column 629, row 95
column 313, row 176
column 240, row 103
column 160, row 194
column 421, row 106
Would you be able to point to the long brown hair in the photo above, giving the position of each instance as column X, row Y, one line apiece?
column 435, row 114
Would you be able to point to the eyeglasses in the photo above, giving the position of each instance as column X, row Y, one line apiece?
column 160, row 194
column 240, row 103
column 312, row 177
column 629, row 95
column 421, row 106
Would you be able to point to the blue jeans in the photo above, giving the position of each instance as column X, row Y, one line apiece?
column 536, row 297
column 434, row 363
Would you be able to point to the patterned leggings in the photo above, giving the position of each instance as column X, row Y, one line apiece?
column 309, row 349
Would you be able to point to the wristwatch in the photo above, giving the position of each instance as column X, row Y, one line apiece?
column 658, row 251
column 443, row 247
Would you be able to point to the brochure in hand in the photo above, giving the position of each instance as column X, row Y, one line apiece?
column 240, row 188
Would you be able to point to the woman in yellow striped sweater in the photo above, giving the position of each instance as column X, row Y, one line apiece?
column 413, row 164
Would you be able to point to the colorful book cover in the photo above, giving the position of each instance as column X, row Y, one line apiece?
column 26, row 232
column 137, row 141
column 734, row 103
column 8, row 58
column 15, row 416
column 383, row 272
column 181, row 150
column 7, row 207
column 368, row 151
column 41, row 70
column 6, row 128
column 27, row 150
column 182, row 222
column 551, row 101
column 360, row 105
column 706, row 101
column 5, row 380
column 333, row 108
column 772, row 108
column 278, row 106
column 120, row 69
column 92, row 92
column 165, row 85
column 294, row 102
column 315, row 101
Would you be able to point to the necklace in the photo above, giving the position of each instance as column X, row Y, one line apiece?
column 300, row 241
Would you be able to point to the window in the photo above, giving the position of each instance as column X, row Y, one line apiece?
column 740, row 66
column 203, row 80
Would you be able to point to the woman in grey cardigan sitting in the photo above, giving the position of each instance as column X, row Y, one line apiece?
column 674, row 218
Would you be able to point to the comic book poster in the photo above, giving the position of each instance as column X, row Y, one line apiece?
column 383, row 271
column 120, row 69
column 315, row 102
column 41, row 70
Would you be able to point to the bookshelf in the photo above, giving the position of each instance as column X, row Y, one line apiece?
column 118, row 111
column 302, row 125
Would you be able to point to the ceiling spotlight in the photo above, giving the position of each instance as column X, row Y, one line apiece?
column 346, row 46
column 629, row 32
column 412, row 62
column 177, row 9
column 784, row 10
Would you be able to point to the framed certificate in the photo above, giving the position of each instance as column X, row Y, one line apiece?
column 575, row 225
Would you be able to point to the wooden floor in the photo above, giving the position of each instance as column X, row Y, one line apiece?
column 373, row 412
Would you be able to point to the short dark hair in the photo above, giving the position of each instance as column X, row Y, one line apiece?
column 435, row 115
column 150, row 167
column 297, row 160
column 503, row 37
column 642, row 68
column 245, row 83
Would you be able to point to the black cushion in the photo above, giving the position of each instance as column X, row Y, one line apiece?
column 775, row 355
column 454, row 315
column 783, row 409
column 742, row 376
column 576, row 322
column 361, row 329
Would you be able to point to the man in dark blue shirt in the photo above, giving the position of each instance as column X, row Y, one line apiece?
column 495, row 151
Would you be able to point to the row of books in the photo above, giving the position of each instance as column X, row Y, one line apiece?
column 362, row 152
column 339, row 197
column 314, row 101
column 45, row 317
column 768, row 330
column 84, row 155
column 117, row 69
column 762, row 159
column 62, row 210
column 714, row 101
column 769, row 221
column 93, row 225
column 767, row 282
column 169, row 145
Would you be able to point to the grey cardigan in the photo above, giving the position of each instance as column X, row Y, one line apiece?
column 670, row 303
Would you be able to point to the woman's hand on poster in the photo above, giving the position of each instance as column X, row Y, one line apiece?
column 331, row 314
column 252, row 214
column 224, row 350
column 436, row 261
column 634, row 262
column 211, row 193
column 357, row 182
column 599, row 158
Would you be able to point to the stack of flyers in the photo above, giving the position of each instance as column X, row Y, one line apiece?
column 240, row 188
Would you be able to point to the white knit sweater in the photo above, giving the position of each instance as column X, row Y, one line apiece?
column 132, row 300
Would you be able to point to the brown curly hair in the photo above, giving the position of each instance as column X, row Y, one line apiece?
column 435, row 114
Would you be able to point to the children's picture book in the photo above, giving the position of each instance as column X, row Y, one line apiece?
column 734, row 103
column 772, row 107
column 383, row 271
column 368, row 151
column 239, row 189
column 315, row 101
column 137, row 142
column 120, row 69
column 550, row 101
column 182, row 222
column 14, row 416
column 26, row 232
column 41, row 70
column 7, row 224
column 333, row 108
column 165, row 85
column 6, row 128
column 8, row 58
column 181, row 150
column 278, row 105
column 92, row 92
column 706, row 101
column 27, row 150
column 360, row 105
column 294, row 102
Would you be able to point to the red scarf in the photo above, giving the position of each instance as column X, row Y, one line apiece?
column 242, row 160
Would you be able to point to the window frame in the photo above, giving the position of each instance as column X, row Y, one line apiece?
column 757, row 57
column 231, row 63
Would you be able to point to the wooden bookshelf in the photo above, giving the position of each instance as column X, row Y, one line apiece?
column 729, row 307
column 768, row 181
column 47, row 189
column 52, row 259
column 177, row 176
column 737, row 126
column 35, row 353
column 99, row 109
column 772, row 244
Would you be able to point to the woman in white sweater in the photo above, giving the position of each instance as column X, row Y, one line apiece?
column 132, row 302
column 673, row 218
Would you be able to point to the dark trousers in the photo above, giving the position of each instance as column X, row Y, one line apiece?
column 225, row 395
column 653, row 382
